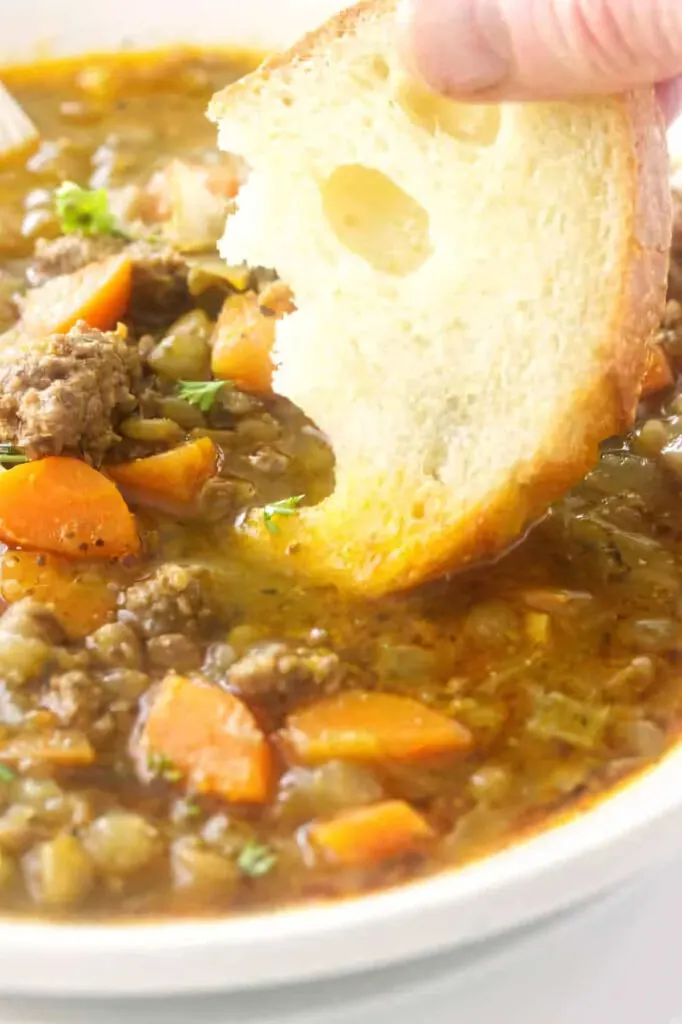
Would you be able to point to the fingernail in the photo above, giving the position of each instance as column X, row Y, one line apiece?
column 456, row 47
column 670, row 98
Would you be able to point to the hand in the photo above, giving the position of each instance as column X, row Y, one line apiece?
column 546, row 49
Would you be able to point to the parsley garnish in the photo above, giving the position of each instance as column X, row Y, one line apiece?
column 256, row 860
column 6, row 773
column 161, row 767
column 201, row 393
column 85, row 210
column 285, row 507
column 10, row 456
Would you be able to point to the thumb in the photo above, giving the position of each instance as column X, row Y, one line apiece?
column 542, row 49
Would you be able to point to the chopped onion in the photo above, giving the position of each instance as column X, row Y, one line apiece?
column 17, row 130
column 195, row 214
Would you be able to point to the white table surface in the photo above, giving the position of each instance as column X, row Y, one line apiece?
column 616, row 962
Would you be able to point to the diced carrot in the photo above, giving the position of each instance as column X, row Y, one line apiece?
column 62, row 749
column 369, row 835
column 658, row 375
column 178, row 474
column 211, row 738
column 81, row 599
column 223, row 179
column 277, row 298
column 242, row 344
column 98, row 293
column 64, row 506
column 371, row 727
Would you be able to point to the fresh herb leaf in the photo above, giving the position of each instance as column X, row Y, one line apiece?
column 85, row 210
column 285, row 507
column 256, row 860
column 7, row 774
column 161, row 767
column 201, row 393
column 10, row 456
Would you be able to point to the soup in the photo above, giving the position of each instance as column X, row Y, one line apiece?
column 186, row 732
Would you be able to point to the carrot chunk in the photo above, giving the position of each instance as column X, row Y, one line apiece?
column 372, row 727
column 211, row 738
column 658, row 375
column 64, row 506
column 178, row 474
column 223, row 179
column 98, row 293
column 243, row 340
column 369, row 835
column 81, row 599
column 63, row 748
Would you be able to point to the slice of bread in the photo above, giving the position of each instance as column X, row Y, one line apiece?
column 475, row 286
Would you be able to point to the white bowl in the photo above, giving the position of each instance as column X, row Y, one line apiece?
column 639, row 826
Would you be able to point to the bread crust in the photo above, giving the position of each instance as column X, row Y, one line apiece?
column 346, row 22
column 605, row 406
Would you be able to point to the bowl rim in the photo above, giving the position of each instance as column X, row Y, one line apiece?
column 637, row 826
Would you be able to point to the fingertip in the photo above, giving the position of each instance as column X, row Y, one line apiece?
column 406, row 19
column 456, row 48
column 670, row 99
